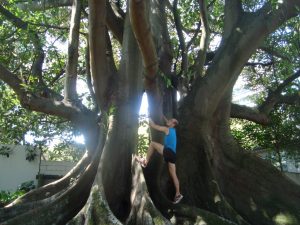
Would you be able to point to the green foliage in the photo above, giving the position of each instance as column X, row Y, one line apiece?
column 6, row 196
column 143, row 135
column 278, row 60
column 15, row 121
column 282, row 135
column 66, row 151
column 17, row 54
column 167, row 81
column 26, row 186
column 31, row 153
column 4, row 150
column 18, row 125
column 252, row 5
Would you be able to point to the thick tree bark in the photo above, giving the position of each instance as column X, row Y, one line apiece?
column 139, row 18
column 122, row 140
column 143, row 211
column 99, row 61
column 71, row 69
column 204, row 41
column 215, row 174
column 246, row 182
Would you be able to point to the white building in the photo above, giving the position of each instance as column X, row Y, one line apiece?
column 290, row 168
column 15, row 169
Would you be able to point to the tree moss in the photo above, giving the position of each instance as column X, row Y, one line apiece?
column 158, row 221
column 99, row 212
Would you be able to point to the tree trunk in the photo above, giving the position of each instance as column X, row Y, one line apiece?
column 221, row 171
column 221, row 183
column 122, row 141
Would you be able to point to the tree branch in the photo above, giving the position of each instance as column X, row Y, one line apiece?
column 48, row 26
column 248, row 113
column 233, row 9
column 88, row 74
column 270, row 63
column 285, row 10
column 204, row 41
column 240, row 44
column 165, row 52
column 15, row 20
column 274, row 97
column 182, row 46
column 142, row 31
column 195, row 35
column 287, row 82
column 98, row 48
column 115, row 20
column 273, row 52
column 33, row 102
column 260, row 114
column 37, row 66
column 290, row 99
column 43, row 4
column 72, row 63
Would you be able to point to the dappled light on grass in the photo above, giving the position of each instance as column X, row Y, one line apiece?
column 217, row 198
column 284, row 219
column 200, row 221
column 253, row 205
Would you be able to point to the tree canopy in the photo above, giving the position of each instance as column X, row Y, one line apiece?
column 81, row 67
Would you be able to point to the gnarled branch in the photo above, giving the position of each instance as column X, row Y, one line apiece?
column 182, row 45
column 115, row 20
column 142, row 31
column 248, row 113
column 204, row 41
column 271, row 51
column 246, row 36
column 276, row 96
column 233, row 9
column 40, row 104
column 98, row 48
column 261, row 113
column 71, row 69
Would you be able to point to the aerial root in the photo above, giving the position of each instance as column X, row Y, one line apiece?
column 143, row 210
column 96, row 210
column 45, row 195
column 63, row 206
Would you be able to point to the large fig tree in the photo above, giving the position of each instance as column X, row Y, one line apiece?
column 121, row 49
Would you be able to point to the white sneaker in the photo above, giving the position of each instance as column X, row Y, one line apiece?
column 177, row 199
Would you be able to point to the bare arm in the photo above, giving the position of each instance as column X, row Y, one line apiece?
column 158, row 127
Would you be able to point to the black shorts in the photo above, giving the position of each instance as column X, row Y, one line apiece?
column 169, row 155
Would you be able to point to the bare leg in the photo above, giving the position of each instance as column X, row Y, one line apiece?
column 172, row 170
column 153, row 146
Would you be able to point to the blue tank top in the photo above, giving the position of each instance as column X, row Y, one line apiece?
column 170, row 140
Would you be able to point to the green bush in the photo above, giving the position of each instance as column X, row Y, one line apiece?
column 26, row 186
column 143, row 136
column 6, row 196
